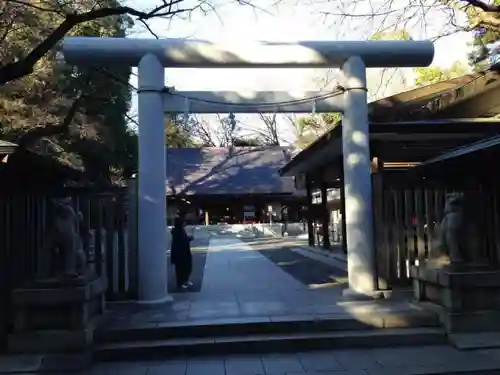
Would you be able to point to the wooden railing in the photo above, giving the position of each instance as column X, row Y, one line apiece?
column 104, row 231
column 407, row 221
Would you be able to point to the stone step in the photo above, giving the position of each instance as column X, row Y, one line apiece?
column 475, row 340
column 263, row 343
column 267, row 325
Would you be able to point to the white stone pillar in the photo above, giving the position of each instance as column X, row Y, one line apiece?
column 357, row 181
column 152, row 235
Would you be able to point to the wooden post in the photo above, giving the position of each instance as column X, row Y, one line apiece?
column 122, row 249
column 99, row 238
column 4, row 279
column 109, row 225
column 420, row 216
column 310, row 228
column 326, row 217
column 342, row 211
column 132, row 239
column 379, row 220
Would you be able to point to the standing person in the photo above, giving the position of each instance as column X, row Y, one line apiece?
column 180, row 255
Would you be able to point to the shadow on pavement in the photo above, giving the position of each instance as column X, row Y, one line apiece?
column 310, row 272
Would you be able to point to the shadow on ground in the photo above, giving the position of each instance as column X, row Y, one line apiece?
column 310, row 272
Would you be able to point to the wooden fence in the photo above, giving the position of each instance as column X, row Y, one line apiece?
column 104, row 232
column 407, row 222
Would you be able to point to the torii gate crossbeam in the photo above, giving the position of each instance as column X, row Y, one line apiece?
column 153, row 56
column 255, row 102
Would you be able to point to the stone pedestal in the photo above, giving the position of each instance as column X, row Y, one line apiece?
column 56, row 316
column 467, row 297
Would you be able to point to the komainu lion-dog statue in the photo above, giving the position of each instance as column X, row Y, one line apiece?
column 457, row 242
column 64, row 241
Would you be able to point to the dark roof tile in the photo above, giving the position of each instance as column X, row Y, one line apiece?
column 238, row 170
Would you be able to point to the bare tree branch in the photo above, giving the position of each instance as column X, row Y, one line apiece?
column 25, row 66
column 493, row 8
column 200, row 129
column 270, row 136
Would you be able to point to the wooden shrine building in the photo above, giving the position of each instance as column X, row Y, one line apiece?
column 406, row 130
column 211, row 185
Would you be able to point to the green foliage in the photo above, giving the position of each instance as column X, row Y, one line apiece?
column 429, row 75
column 178, row 132
column 488, row 23
column 76, row 115
column 478, row 56
column 398, row 34
column 247, row 142
column 309, row 128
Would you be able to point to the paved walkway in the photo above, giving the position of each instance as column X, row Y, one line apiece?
column 251, row 285
column 386, row 361
column 240, row 283
column 431, row 360
column 233, row 266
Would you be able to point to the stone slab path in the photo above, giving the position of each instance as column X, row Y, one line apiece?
column 240, row 283
column 386, row 361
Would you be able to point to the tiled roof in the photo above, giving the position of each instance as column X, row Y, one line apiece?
column 237, row 170
column 444, row 100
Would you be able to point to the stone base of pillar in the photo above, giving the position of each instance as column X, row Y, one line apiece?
column 466, row 297
column 166, row 299
column 353, row 295
column 52, row 316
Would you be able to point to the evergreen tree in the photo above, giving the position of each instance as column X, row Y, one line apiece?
column 77, row 115
column 178, row 132
column 434, row 74
column 479, row 57
column 486, row 35
column 308, row 128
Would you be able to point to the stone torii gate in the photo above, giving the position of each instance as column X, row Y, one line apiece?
column 153, row 56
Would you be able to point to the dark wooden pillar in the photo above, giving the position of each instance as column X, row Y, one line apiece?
column 342, row 211
column 381, row 254
column 325, row 217
column 310, row 226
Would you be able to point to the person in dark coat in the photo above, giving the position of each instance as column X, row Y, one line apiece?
column 180, row 254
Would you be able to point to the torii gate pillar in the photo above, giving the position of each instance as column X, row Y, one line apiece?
column 151, row 193
column 361, row 259
column 151, row 56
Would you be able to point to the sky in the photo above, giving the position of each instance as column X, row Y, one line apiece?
column 287, row 22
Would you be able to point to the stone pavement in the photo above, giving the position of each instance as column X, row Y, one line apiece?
column 240, row 283
column 386, row 361
column 310, row 269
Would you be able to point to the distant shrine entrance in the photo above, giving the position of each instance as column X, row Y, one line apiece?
column 238, row 185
